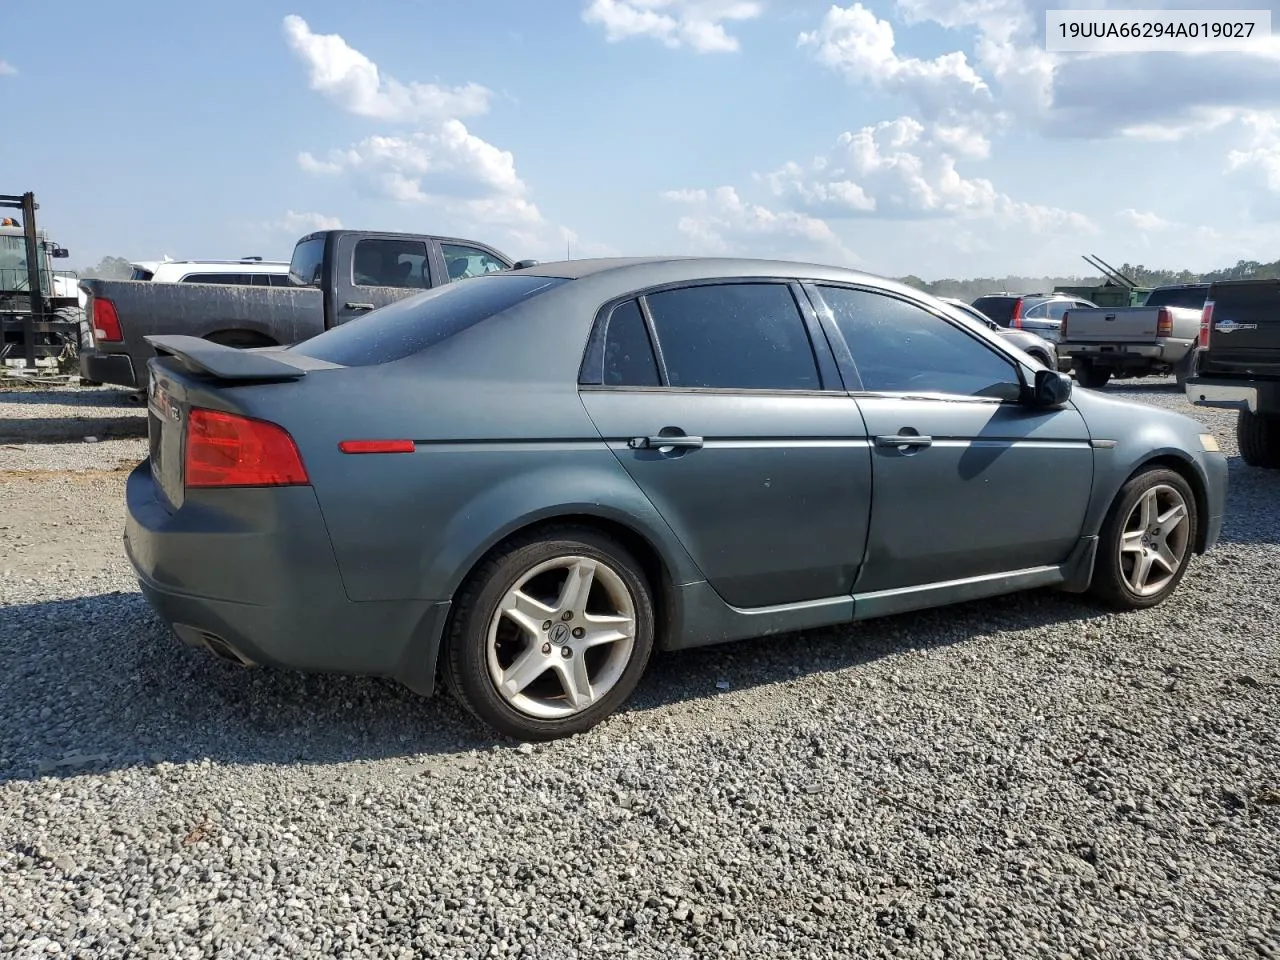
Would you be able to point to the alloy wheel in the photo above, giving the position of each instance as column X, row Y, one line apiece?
column 561, row 637
column 1155, row 539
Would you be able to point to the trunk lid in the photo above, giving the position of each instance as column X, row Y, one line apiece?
column 1245, row 337
column 189, row 372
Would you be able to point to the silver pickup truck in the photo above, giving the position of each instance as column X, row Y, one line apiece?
column 1157, row 338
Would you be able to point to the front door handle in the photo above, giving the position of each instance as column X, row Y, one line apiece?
column 657, row 443
column 904, row 440
column 358, row 306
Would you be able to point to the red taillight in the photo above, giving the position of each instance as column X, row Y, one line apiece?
column 377, row 446
column 106, row 323
column 1016, row 319
column 1164, row 323
column 1062, row 328
column 1206, row 323
column 228, row 450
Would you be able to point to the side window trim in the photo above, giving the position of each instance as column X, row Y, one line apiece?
column 830, row 374
column 845, row 354
column 655, row 344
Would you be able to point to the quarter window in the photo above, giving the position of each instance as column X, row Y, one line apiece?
column 740, row 336
column 390, row 263
column 628, row 354
column 901, row 348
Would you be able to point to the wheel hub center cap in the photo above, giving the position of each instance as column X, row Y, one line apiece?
column 559, row 634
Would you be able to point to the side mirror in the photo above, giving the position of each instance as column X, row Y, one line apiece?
column 60, row 253
column 521, row 264
column 1049, row 389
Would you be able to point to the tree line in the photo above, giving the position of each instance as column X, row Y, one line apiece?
column 117, row 268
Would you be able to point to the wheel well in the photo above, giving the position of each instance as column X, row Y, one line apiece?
column 241, row 338
column 1188, row 473
column 651, row 563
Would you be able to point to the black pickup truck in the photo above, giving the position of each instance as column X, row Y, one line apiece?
column 1237, row 364
column 334, row 276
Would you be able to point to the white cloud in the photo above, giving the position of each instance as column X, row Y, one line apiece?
column 7, row 69
column 299, row 224
column 353, row 82
column 1144, row 221
column 1261, row 154
column 721, row 222
column 1151, row 96
column 471, row 183
column 698, row 24
column 856, row 43
column 455, row 161
column 904, row 169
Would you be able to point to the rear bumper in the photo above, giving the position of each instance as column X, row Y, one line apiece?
column 251, row 575
column 114, row 368
column 1127, row 354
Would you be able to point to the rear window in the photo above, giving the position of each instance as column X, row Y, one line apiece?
column 417, row 322
column 999, row 309
column 1193, row 297
column 307, row 262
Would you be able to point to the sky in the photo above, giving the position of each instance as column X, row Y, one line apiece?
column 928, row 137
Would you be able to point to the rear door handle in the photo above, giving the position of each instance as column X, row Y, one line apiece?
column 358, row 306
column 904, row 440
column 655, row 443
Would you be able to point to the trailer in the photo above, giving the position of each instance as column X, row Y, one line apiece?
column 41, row 316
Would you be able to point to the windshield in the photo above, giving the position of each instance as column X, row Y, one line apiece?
column 307, row 265
column 13, row 263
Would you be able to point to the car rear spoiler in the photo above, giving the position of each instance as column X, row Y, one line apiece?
column 232, row 363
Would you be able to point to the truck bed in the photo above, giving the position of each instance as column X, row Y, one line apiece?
column 251, row 314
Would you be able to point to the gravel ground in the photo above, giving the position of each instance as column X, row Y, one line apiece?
column 1023, row 777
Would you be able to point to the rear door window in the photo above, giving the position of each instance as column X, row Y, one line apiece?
column 390, row 263
column 734, row 336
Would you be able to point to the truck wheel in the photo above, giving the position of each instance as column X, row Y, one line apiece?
column 1090, row 375
column 1259, row 439
column 550, row 635
column 1147, row 540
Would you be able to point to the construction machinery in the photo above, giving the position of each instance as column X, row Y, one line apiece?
column 40, row 308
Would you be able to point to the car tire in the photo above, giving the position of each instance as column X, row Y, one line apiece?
column 1259, row 438
column 1091, row 376
column 524, row 581
column 1127, row 541
column 1043, row 360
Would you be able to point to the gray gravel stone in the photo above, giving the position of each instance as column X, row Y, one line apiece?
column 1021, row 777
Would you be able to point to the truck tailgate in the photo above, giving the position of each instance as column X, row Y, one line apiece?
column 1245, row 333
column 1113, row 325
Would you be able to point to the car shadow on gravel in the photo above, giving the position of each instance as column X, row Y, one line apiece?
column 87, row 397
column 98, row 683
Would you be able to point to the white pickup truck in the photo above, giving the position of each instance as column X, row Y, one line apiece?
column 1157, row 338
